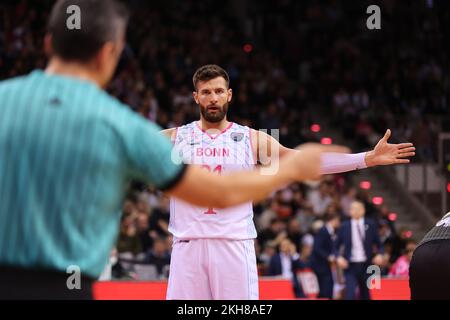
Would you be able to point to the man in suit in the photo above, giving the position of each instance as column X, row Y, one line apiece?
column 285, row 263
column 355, row 249
column 322, row 257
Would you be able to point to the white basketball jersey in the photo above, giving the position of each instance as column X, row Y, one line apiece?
column 228, row 151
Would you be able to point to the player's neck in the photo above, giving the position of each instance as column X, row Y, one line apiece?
column 221, row 125
column 71, row 69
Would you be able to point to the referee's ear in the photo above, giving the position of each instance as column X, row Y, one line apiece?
column 48, row 48
column 106, row 60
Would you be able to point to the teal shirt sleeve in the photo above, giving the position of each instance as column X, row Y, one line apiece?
column 149, row 153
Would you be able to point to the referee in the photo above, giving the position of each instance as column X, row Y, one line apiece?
column 68, row 151
column 429, row 271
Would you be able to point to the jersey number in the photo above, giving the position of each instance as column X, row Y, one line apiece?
column 217, row 169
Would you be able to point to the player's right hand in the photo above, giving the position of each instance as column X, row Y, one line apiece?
column 308, row 161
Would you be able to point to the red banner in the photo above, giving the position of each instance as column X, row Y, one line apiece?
column 269, row 289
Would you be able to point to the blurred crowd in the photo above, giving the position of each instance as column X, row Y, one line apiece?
column 287, row 222
column 284, row 59
column 287, row 61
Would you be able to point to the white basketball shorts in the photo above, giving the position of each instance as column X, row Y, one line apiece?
column 213, row 269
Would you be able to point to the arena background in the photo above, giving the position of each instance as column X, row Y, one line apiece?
column 311, row 69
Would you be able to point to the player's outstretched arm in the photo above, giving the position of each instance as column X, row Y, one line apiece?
column 202, row 188
column 384, row 153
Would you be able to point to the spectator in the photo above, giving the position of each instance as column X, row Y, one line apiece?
column 306, row 218
column 306, row 248
column 268, row 251
column 323, row 258
column 159, row 219
column 285, row 264
column 158, row 255
column 129, row 240
column 320, row 199
column 293, row 232
column 358, row 237
column 268, row 214
column 401, row 266
column 143, row 229
column 276, row 232
column 260, row 263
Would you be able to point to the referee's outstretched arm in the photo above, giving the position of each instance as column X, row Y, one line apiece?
column 209, row 190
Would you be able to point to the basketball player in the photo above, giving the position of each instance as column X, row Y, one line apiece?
column 213, row 254
column 68, row 150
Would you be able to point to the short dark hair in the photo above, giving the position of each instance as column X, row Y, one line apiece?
column 209, row 72
column 332, row 216
column 100, row 21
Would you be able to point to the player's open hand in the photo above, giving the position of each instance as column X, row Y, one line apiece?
column 308, row 162
column 386, row 153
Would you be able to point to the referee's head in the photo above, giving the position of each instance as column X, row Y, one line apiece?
column 87, row 34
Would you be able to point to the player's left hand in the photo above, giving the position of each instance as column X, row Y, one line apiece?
column 386, row 153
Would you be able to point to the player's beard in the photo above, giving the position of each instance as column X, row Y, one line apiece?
column 216, row 116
